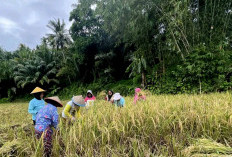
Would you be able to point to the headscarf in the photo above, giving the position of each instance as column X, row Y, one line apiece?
column 110, row 96
column 137, row 90
column 138, row 95
column 89, row 91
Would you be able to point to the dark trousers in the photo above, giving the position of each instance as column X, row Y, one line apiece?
column 47, row 140
column 33, row 122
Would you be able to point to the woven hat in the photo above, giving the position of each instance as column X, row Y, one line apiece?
column 38, row 90
column 54, row 101
column 117, row 96
column 78, row 100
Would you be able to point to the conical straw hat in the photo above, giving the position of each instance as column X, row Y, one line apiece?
column 37, row 90
column 78, row 100
column 54, row 101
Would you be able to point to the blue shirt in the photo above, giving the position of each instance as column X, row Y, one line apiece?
column 120, row 103
column 34, row 106
column 47, row 117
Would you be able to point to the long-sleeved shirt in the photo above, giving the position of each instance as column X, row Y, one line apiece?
column 108, row 98
column 139, row 96
column 87, row 98
column 120, row 103
column 47, row 117
column 71, row 110
column 34, row 106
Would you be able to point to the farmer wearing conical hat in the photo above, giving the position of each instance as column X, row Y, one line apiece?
column 72, row 108
column 47, row 118
column 36, row 103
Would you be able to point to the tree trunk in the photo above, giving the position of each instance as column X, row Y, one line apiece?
column 69, row 80
column 163, row 63
column 94, row 76
column 143, row 79
column 200, row 85
column 163, row 66
column 179, row 50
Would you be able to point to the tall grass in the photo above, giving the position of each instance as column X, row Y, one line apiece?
column 161, row 126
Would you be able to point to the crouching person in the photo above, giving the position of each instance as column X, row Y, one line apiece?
column 46, row 119
column 139, row 95
column 72, row 109
column 118, row 100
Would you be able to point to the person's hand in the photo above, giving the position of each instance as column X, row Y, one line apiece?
column 73, row 119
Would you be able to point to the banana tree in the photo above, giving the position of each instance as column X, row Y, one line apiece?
column 138, row 66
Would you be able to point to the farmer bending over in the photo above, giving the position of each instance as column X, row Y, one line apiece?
column 47, row 118
column 36, row 103
column 139, row 95
column 72, row 108
column 118, row 100
column 109, row 95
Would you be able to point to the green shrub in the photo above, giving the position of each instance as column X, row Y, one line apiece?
column 124, row 87
column 204, row 70
column 4, row 100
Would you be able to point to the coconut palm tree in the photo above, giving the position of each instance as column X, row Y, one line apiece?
column 59, row 38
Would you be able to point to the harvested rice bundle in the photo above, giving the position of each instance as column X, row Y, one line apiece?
column 101, row 95
column 210, row 155
column 203, row 147
column 9, row 148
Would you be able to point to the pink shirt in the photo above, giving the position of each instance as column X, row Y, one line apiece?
column 136, row 98
column 93, row 98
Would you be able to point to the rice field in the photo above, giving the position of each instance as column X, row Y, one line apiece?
column 164, row 125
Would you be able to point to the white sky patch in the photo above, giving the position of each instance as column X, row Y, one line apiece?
column 68, row 25
column 161, row 28
column 143, row 11
column 229, row 11
column 93, row 6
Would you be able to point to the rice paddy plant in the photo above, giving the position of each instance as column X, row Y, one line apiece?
column 164, row 125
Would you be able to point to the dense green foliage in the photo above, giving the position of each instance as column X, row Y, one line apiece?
column 168, row 46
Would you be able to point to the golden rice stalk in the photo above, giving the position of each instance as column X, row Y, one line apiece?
column 102, row 95
column 10, row 147
column 206, row 147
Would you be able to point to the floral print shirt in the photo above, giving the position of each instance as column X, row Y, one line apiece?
column 47, row 117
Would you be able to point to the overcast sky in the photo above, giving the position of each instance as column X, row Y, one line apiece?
column 24, row 21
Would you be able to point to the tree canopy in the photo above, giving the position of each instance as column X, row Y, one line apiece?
column 166, row 46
